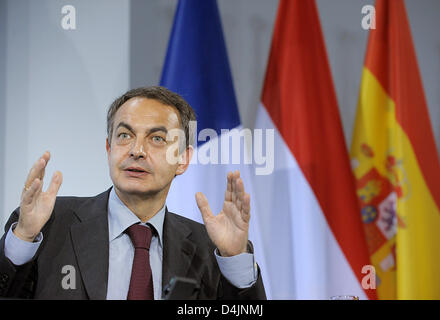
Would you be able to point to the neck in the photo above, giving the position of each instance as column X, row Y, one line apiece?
column 143, row 206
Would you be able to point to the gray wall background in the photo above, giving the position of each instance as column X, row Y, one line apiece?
column 55, row 85
column 2, row 99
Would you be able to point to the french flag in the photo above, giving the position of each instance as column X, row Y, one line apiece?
column 197, row 67
column 312, row 234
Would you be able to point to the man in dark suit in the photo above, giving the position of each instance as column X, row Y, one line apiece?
column 124, row 243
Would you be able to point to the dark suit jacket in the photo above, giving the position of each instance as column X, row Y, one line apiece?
column 77, row 235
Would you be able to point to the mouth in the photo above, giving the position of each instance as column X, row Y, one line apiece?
column 135, row 172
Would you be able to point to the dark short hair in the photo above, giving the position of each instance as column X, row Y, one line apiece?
column 163, row 95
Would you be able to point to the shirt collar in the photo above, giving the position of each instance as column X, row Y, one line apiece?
column 120, row 217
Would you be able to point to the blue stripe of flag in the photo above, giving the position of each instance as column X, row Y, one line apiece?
column 197, row 67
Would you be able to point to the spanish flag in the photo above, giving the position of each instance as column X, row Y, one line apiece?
column 396, row 163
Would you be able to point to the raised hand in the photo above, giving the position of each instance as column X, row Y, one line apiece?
column 36, row 206
column 229, row 229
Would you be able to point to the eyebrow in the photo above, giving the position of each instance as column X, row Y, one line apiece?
column 150, row 131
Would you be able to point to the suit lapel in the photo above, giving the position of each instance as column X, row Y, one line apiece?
column 178, row 250
column 90, row 240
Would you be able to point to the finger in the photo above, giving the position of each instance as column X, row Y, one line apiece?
column 239, row 194
column 46, row 157
column 37, row 170
column 234, row 187
column 55, row 184
column 39, row 189
column 246, row 207
column 34, row 173
column 202, row 203
column 28, row 196
column 228, row 193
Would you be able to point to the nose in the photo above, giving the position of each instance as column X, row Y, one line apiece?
column 137, row 151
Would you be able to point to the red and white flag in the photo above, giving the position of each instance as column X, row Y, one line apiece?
column 313, row 240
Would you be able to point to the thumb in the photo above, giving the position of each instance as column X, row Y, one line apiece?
column 202, row 203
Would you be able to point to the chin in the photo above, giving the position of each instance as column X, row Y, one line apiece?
column 130, row 189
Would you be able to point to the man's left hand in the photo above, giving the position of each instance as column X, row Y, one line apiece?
column 229, row 229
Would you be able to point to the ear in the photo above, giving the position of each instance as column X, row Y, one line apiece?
column 184, row 160
column 107, row 147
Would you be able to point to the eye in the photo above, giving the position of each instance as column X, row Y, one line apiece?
column 158, row 139
column 123, row 135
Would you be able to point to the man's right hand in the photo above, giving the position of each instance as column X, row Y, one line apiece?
column 36, row 206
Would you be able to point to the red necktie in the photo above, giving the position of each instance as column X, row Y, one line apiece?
column 141, row 281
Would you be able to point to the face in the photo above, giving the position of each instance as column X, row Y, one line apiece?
column 137, row 150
